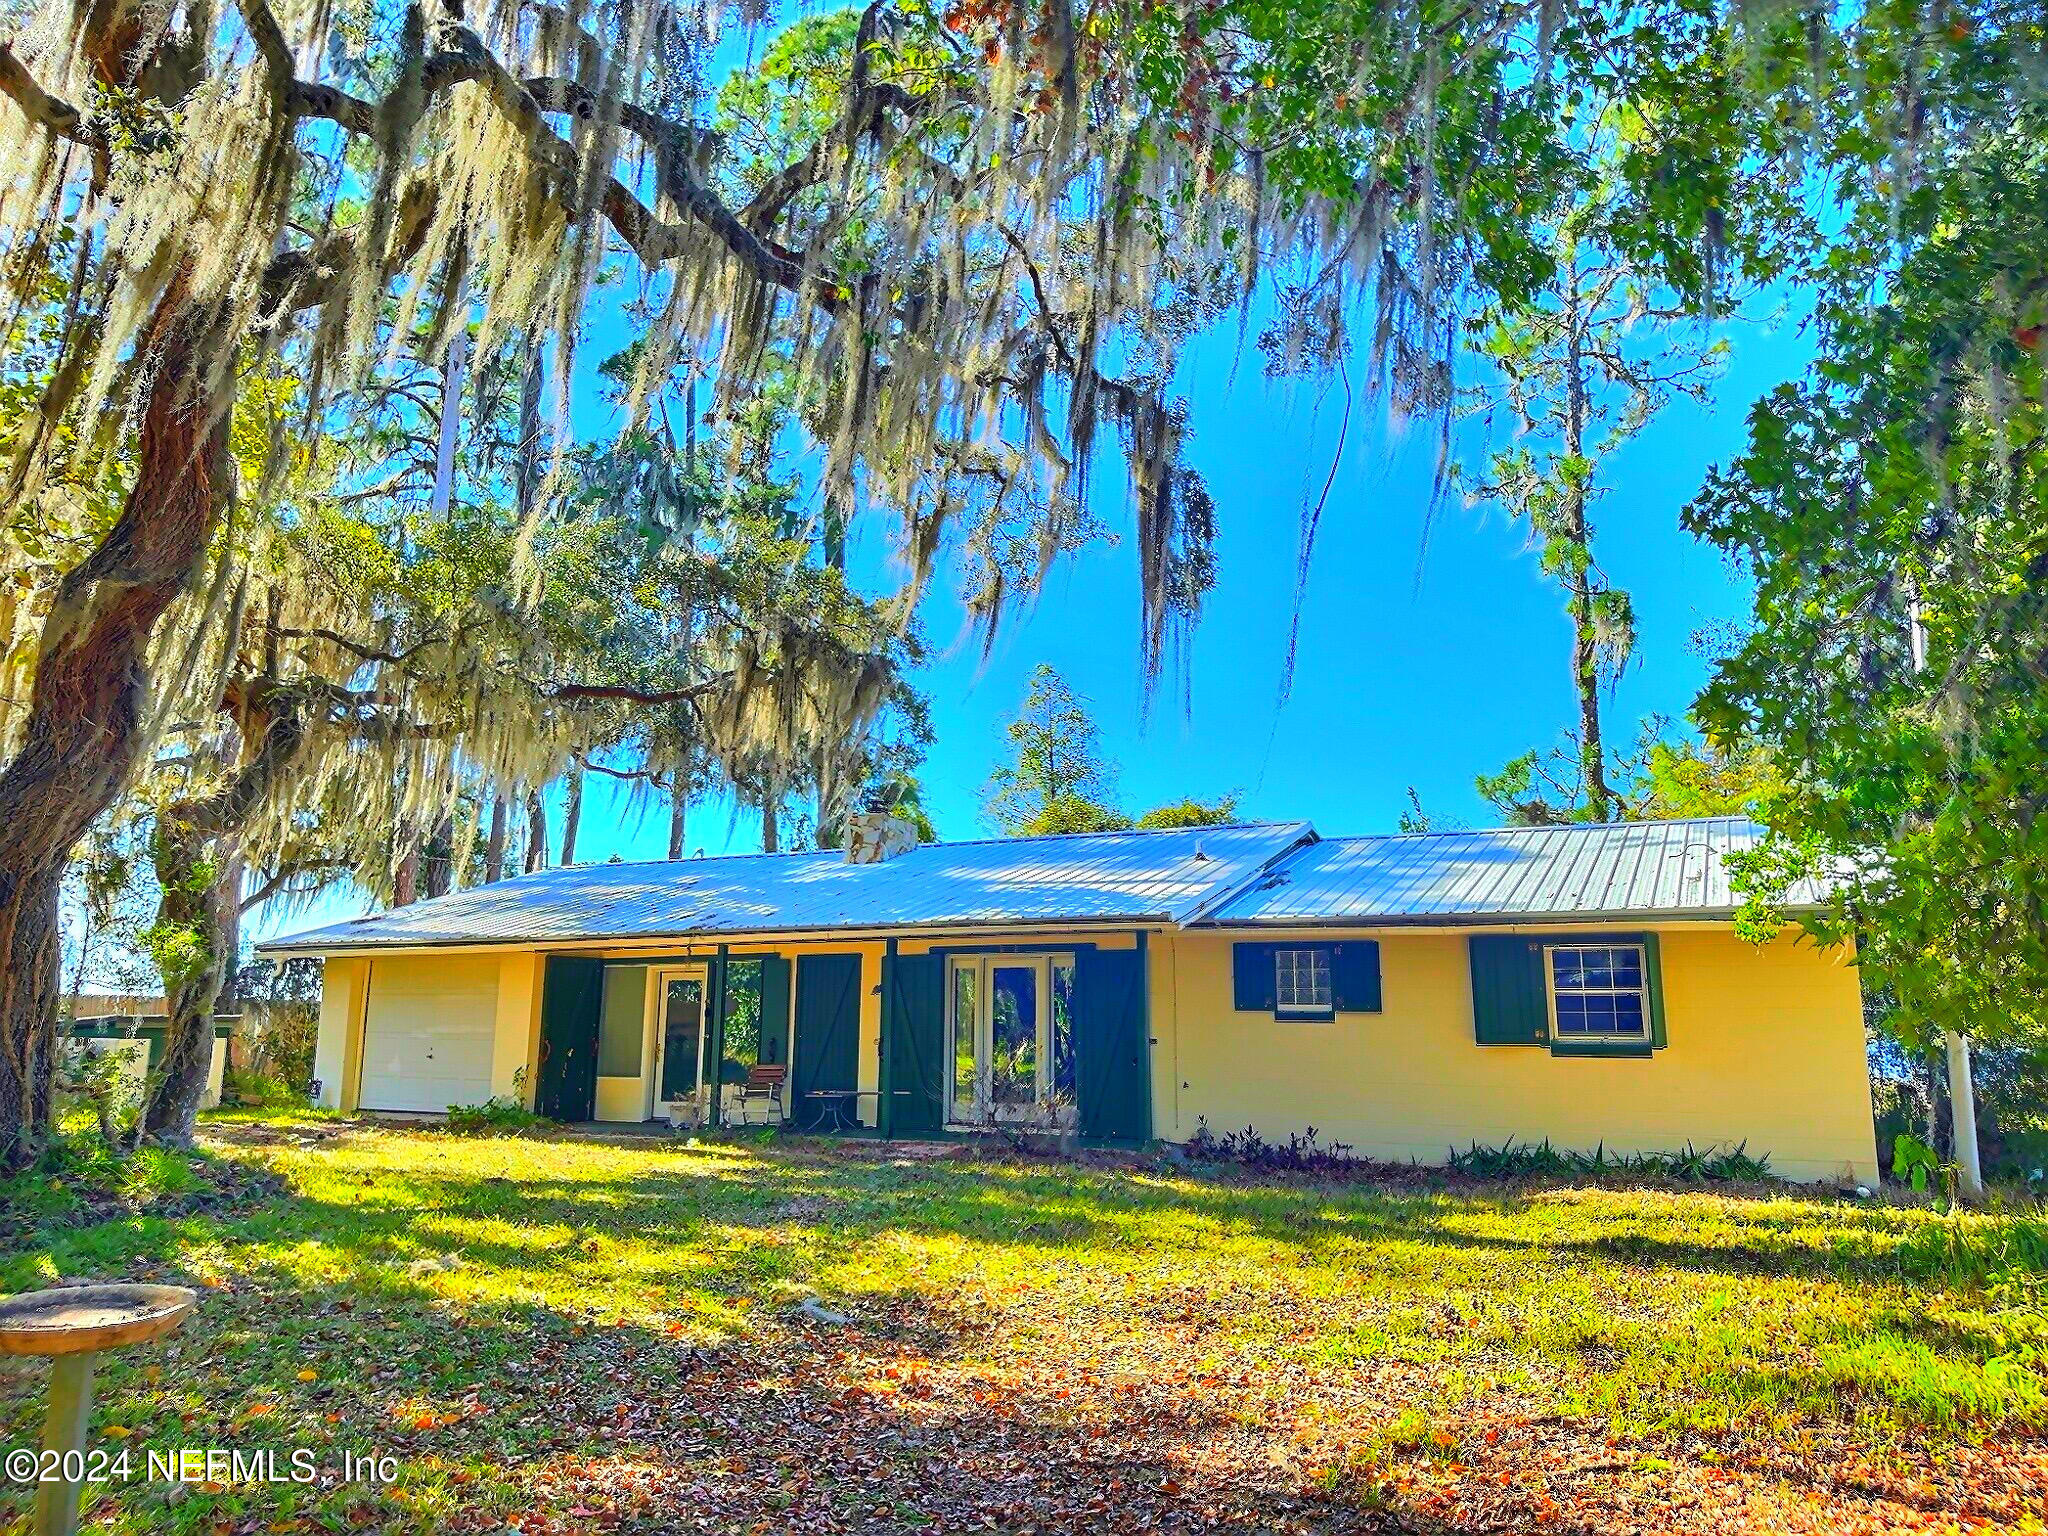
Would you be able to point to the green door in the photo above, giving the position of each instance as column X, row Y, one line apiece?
column 1111, row 1079
column 571, row 1001
column 913, row 1044
column 827, row 1037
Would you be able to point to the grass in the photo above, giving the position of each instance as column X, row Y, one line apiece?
column 537, row 1327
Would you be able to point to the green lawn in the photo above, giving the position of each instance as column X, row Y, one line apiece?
column 560, row 1335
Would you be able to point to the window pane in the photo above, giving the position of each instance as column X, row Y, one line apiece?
column 1013, row 1053
column 682, row 1028
column 623, row 1024
column 1301, row 978
column 1628, row 1013
column 1063, row 1031
column 963, row 1039
column 1571, row 1014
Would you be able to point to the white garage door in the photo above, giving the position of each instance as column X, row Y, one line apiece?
column 427, row 1032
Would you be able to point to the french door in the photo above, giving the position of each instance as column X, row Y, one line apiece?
column 1009, row 1038
column 678, row 1002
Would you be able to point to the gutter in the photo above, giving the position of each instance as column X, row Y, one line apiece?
column 1489, row 919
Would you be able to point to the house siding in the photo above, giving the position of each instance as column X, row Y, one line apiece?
column 1765, row 1048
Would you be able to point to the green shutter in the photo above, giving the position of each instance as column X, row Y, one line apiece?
column 1251, row 967
column 827, row 1036
column 1653, row 977
column 913, row 1044
column 571, row 1000
column 1355, row 975
column 774, row 1011
column 1510, row 1005
column 1113, row 1086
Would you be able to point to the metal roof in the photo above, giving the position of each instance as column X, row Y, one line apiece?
column 1635, row 869
column 1272, row 874
column 1169, row 877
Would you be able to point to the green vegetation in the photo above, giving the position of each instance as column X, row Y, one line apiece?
column 543, row 1329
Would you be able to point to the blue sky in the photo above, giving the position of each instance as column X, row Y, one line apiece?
column 1397, row 684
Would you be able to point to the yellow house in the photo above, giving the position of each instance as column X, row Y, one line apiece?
column 1404, row 995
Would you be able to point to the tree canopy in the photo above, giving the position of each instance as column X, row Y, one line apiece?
column 1890, row 509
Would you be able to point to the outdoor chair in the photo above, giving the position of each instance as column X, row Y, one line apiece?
column 764, row 1091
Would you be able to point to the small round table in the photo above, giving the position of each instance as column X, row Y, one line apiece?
column 72, row 1324
column 836, row 1111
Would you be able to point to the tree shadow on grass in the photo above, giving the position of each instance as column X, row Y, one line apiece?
column 508, row 1366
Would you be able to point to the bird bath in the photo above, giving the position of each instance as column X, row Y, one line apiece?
column 72, row 1324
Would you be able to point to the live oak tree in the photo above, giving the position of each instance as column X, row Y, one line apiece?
column 1889, row 506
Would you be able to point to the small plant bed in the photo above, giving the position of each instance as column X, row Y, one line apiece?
column 547, row 1335
column 1305, row 1153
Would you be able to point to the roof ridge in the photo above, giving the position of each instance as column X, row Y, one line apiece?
column 1555, row 826
column 944, row 842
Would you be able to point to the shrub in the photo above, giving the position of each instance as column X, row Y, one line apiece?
column 258, row 1090
column 1691, row 1165
column 1301, row 1153
column 493, row 1116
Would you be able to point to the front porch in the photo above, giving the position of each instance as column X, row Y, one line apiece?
column 875, row 1039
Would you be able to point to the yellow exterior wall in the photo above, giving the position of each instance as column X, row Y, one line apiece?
column 515, row 1047
column 337, row 1049
column 1766, row 1048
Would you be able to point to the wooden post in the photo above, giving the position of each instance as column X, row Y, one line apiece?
column 1962, row 1092
column 64, row 1434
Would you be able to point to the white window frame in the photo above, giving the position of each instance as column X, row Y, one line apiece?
column 658, row 979
column 1557, row 1036
column 985, row 1111
column 1309, row 1013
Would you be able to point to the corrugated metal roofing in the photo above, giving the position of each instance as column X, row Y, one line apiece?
column 1166, row 877
column 1625, row 869
column 1274, row 874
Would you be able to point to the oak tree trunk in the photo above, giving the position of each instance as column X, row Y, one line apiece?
column 494, row 846
column 678, row 813
column 194, row 918
column 83, row 735
column 437, row 865
column 572, row 817
column 536, row 832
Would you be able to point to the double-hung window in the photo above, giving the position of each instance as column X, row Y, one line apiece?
column 1301, row 983
column 1599, row 994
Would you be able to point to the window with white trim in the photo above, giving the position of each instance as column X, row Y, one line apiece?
column 1599, row 992
column 1301, row 983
